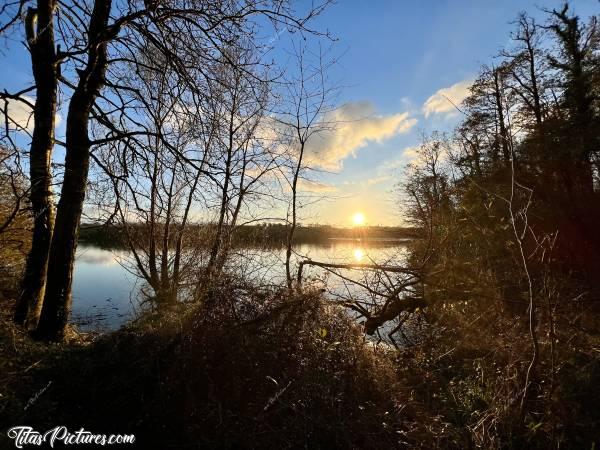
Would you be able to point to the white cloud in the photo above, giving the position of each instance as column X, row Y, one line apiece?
column 20, row 115
column 355, row 126
column 445, row 100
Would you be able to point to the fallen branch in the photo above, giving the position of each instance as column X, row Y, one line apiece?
column 355, row 266
column 394, row 303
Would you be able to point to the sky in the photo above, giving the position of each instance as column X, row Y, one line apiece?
column 398, row 62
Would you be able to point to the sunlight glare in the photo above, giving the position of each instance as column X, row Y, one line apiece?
column 358, row 254
column 358, row 219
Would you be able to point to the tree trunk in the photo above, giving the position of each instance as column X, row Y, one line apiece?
column 180, row 233
column 500, row 116
column 57, row 300
column 292, row 230
column 165, row 285
column 152, row 239
column 537, row 104
column 44, row 66
column 212, row 268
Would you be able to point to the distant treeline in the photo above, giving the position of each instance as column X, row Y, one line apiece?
column 268, row 234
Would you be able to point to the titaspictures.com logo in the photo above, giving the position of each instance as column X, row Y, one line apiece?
column 24, row 436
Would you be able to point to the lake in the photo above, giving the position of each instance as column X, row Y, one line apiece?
column 106, row 291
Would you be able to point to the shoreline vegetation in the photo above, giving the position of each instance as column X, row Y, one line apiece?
column 262, row 235
column 284, row 374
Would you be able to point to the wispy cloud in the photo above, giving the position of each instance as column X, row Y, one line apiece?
column 315, row 186
column 390, row 168
column 410, row 154
column 445, row 100
column 377, row 180
column 356, row 125
column 414, row 157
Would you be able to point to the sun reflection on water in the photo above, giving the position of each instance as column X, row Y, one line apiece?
column 359, row 254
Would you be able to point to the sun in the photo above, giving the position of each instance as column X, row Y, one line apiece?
column 358, row 219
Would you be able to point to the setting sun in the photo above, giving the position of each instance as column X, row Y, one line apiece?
column 358, row 219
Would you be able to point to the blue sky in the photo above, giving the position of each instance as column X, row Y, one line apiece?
column 396, row 55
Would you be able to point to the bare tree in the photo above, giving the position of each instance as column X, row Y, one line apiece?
column 152, row 187
column 97, row 42
column 308, row 97
column 487, row 108
column 242, row 105
column 526, row 65
column 187, row 34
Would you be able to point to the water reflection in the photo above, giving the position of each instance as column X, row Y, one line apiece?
column 359, row 253
column 105, row 291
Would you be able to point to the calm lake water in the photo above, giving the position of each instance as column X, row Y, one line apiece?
column 106, row 292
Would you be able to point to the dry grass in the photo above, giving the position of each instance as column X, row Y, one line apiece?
column 265, row 369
